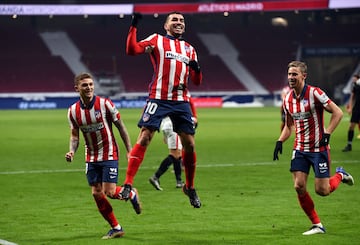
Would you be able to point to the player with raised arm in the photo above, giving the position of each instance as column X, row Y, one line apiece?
column 174, row 62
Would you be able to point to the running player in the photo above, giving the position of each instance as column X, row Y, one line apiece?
column 94, row 116
column 304, row 108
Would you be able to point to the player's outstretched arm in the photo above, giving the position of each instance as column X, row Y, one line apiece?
column 132, row 46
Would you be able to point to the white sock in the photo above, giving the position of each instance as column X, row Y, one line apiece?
column 118, row 227
column 318, row 224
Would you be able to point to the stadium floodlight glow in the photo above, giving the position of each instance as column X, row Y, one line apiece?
column 61, row 9
column 279, row 21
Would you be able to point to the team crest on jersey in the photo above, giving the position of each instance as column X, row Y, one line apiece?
column 305, row 102
column 97, row 114
column 146, row 117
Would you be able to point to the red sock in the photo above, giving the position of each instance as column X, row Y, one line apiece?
column 335, row 181
column 189, row 160
column 106, row 210
column 135, row 159
column 116, row 193
column 308, row 206
column 118, row 190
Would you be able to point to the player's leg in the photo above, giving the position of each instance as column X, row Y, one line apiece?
column 350, row 136
column 106, row 211
column 170, row 138
column 177, row 153
column 94, row 177
column 177, row 167
column 150, row 122
column 300, row 168
column 324, row 183
column 110, row 188
column 189, row 160
column 184, row 125
column 137, row 154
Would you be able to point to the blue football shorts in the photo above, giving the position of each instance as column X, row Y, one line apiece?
column 178, row 111
column 319, row 161
column 99, row 172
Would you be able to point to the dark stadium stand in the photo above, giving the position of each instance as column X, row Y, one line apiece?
column 26, row 64
column 36, row 73
column 265, row 53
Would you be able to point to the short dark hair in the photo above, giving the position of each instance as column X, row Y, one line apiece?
column 173, row 12
column 357, row 76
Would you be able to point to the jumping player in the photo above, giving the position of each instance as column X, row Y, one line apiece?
column 174, row 62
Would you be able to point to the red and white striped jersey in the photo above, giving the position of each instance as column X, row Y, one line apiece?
column 170, row 58
column 307, row 112
column 95, row 123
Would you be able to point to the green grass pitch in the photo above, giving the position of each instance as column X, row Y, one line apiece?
column 247, row 198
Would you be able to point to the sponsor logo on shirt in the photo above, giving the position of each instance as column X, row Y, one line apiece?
column 301, row 115
column 176, row 56
column 92, row 127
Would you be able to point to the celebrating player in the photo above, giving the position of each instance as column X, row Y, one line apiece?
column 304, row 108
column 174, row 62
column 94, row 116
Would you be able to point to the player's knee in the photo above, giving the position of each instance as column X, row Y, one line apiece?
column 299, row 188
column 322, row 191
column 110, row 193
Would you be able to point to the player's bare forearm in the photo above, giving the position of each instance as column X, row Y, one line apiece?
column 124, row 135
column 336, row 116
column 73, row 145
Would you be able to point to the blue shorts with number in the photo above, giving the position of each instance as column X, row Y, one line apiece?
column 319, row 161
column 178, row 111
column 99, row 172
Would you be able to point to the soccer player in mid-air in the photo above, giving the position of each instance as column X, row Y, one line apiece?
column 173, row 142
column 304, row 108
column 94, row 116
column 174, row 62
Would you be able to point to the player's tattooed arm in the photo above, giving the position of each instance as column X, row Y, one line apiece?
column 73, row 145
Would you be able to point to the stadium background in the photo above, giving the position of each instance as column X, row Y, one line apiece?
column 243, row 53
column 248, row 198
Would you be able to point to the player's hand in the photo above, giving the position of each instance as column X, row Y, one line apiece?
column 69, row 156
column 277, row 150
column 136, row 17
column 195, row 122
column 325, row 139
column 193, row 64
